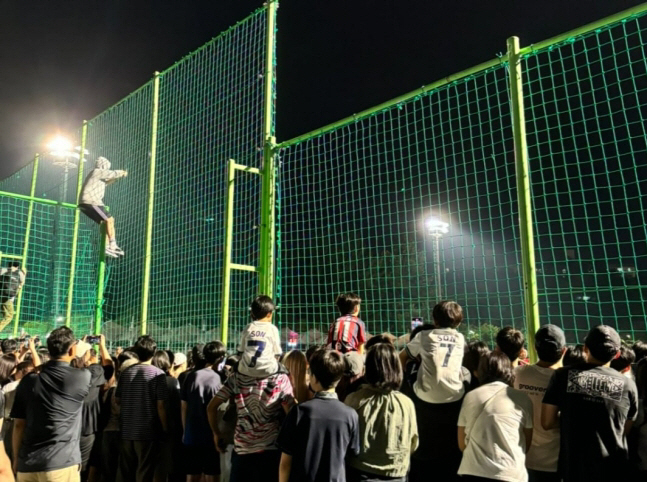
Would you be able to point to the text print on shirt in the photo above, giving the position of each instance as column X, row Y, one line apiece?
column 595, row 385
column 449, row 342
column 260, row 346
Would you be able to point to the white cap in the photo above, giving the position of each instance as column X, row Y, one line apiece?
column 82, row 348
column 179, row 359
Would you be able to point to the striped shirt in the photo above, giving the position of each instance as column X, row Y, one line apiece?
column 347, row 334
column 140, row 387
column 258, row 408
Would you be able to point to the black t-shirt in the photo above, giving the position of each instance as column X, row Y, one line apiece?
column 92, row 404
column 173, row 407
column 318, row 434
column 594, row 404
column 51, row 403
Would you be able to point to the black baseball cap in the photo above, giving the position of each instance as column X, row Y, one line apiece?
column 550, row 337
column 603, row 342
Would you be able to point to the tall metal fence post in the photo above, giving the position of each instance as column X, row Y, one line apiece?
column 151, row 204
column 75, row 234
column 226, row 264
column 524, row 194
column 268, row 190
column 101, row 275
column 25, row 247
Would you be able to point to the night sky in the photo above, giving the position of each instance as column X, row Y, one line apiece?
column 67, row 60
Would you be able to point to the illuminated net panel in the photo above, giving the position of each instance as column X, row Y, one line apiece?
column 586, row 103
column 355, row 200
column 211, row 110
column 44, row 296
column 122, row 134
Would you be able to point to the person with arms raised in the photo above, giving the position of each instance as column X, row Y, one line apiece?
column 47, row 413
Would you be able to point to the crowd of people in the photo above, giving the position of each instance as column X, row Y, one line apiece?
column 354, row 409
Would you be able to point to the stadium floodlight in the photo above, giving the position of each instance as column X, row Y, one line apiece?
column 61, row 149
column 436, row 228
column 59, row 144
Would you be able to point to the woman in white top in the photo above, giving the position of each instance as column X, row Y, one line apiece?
column 495, row 425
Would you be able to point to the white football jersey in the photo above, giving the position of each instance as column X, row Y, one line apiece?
column 260, row 344
column 440, row 376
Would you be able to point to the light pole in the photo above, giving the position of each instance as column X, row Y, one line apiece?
column 436, row 228
column 61, row 150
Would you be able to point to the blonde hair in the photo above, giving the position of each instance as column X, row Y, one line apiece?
column 296, row 363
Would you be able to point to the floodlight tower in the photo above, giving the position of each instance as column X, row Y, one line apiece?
column 60, row 148
column 436, row 228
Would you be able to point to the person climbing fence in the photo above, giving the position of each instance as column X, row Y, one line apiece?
column 92, row 192
column 12, row 279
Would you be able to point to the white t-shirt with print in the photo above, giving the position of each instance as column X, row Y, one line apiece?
column 544, row 452
column 440, row 376
column 260, row 344
column 494, row 416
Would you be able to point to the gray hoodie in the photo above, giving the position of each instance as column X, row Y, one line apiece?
column 94, row 186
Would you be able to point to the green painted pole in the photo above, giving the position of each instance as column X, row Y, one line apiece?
column 25, row 247
column 151, row 205
column 524, row 195
column 101, row 275
column 39, row 200
column 75, row 234
column 226, row 264
column 268, row 191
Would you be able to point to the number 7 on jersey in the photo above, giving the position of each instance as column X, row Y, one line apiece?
column 259, row 350
column 450, row 348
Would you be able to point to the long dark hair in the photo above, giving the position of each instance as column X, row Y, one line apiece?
column 161, row 361
column 7, row 366
column 383, row 369
column 495, row 367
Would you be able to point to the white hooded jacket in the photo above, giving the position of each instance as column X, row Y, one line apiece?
column 94, row 186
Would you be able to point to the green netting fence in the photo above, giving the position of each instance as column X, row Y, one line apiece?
column 356, row 196
column 355, row 202
column 586, row 106
column 346, row 207
column 43, row 242
column 175, row 136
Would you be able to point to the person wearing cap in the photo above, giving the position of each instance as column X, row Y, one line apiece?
column 541, row 460
column 352, row 379
column 594, row 407
column 47, row 414
column 179, row 364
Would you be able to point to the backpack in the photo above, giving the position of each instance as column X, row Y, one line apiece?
column 9, row 283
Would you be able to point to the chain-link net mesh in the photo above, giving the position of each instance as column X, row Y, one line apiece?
column 45, row 293
column 210, row 111
column 586, row 112
column 357, row 202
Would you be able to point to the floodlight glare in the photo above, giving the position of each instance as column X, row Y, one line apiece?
column 436, row 227
column 59, row 145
